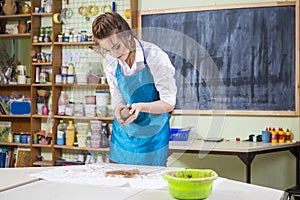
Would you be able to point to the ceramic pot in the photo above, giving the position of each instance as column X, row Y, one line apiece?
column 9, row 7
column 26, row 9
column 22, row 26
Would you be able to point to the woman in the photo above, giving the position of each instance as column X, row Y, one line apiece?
column 141, row 78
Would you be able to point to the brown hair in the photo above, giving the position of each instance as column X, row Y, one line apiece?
column 109, row 23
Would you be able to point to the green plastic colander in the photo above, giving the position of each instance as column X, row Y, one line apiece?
column 190, row 183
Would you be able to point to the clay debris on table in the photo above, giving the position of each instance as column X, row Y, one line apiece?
column 124, row 173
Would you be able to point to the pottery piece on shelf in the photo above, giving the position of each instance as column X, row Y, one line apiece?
column 9, row 7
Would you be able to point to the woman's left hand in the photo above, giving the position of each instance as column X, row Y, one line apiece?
column 134, row 111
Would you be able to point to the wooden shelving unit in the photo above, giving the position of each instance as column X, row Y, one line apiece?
column 33, row 123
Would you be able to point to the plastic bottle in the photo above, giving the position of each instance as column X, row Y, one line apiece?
column 62, row 103
column 273, row 135
column 104, row 135
column 10, row 137
column 70, row 134
column 88, row 141
column 99, row 158
column 105, row 129
column 287, row 136
column 61, row 133
column 280, row 135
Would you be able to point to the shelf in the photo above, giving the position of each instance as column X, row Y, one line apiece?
column 40, row 116
column 42, row 44
column 82, row 148
column 15, row 116
column 42, row 145
column 38, row 63
column 82, row 85
column 84, row 118
column 14, row 85
column 14, row 17
column 43, row 163
column 15, row 35
column 14, row 144
column 42, row 14
column 74, row 43
column 41, row 85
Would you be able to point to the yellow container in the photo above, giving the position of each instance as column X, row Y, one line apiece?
column 70, row 134
column 10, row 138
column 280, row 135
column 273, row 136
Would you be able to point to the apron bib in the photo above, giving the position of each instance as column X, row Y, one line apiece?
column 145, row 141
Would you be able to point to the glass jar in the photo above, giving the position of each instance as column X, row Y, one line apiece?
column 70, row 108
column 78, row 109
column 83, row 36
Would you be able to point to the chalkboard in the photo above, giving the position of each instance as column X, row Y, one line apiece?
column 229, row 59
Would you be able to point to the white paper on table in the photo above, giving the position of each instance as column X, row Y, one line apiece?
column 94, row 174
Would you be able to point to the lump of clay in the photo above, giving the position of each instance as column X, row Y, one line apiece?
column 125, row 113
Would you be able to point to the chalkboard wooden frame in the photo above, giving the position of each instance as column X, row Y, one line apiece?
column 292, row 112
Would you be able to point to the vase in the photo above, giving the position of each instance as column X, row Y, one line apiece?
column 22, row 26
column 9, row 7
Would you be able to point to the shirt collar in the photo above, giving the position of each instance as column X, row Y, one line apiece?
column 139, row 56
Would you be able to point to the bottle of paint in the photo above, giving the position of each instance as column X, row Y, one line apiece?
column 273, row 135
column 70, row 134
column 280, row 135
column 288, row 136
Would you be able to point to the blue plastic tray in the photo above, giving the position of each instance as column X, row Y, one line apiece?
column 179, row 134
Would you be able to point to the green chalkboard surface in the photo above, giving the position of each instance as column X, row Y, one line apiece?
column 229, row 59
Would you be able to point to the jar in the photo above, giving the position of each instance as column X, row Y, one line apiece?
column 17, row 138
column 70, row 108
column 35, row 139
column 43, row 77
column 60, row 38
column 70, row 78
column 22, row 26
column 58, row 78
column 28, row 138
column 41, row 37
column 46, row 38
column 10, row 137
column 78, row 109
column 83, row 36
column 64, row 78
column 35, row 39
column 71, row 68
column 64, row 70
column 67, row 37
column 75, row 36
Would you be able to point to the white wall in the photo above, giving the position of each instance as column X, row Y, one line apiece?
column 276, row 170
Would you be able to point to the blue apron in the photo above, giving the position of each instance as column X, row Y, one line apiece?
column 145, row 141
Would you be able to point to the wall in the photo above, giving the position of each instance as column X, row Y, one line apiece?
column 276, row 170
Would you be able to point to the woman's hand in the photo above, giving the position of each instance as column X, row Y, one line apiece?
column 134, row 111
column 118, row 113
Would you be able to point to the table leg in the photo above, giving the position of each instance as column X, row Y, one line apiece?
column 247, row 159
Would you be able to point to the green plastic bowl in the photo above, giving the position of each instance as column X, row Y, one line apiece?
column 190, row 183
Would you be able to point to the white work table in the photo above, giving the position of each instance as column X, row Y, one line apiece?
column 245, row 150
column 12, row 177
column 48, row 190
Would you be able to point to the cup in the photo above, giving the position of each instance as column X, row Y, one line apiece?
column 39, row 108
column 265, row 136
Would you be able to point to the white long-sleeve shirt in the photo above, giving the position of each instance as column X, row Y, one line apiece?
column 160, row 66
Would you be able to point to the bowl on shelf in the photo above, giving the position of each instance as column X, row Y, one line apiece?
column 190, row 183
column 42, row 93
